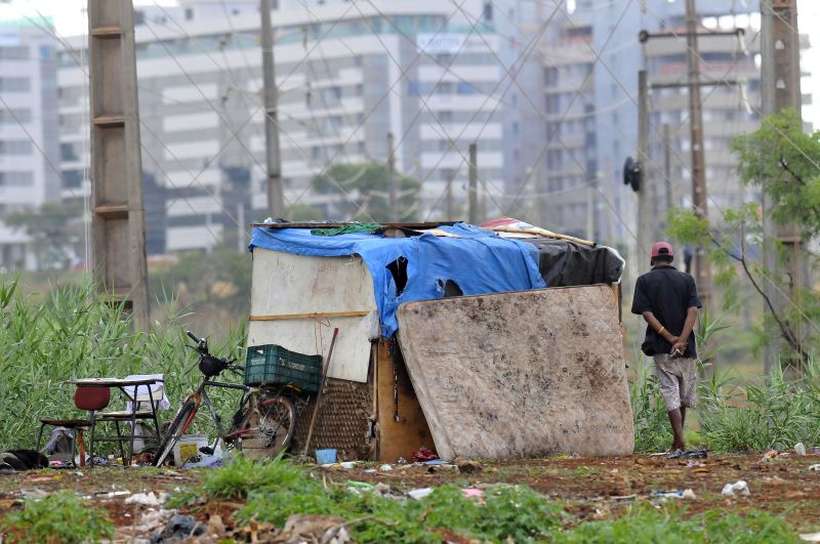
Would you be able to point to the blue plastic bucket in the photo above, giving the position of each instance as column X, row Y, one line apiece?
column 326, row 456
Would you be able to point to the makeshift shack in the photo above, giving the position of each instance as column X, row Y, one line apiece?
column 502, row 341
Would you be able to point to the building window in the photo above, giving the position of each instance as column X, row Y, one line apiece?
column 550, row 76
column 73, row 179
column 14, row 53
column 444, row 116
column 15, row 147
column 553, row 103
column 189, row 14
column 15, row 84
column 487, row 12
column 68, row 152
column 14, row 116
column 16, row 179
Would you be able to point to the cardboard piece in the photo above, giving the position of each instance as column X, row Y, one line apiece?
column 520, row 374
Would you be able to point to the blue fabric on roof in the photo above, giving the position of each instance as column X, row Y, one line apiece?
column 478, row 261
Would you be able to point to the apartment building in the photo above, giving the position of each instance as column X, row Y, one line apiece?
column 29, row 150
column 348, row 76
column 591, row 59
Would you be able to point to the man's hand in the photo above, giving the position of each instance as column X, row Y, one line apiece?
column 679, row 345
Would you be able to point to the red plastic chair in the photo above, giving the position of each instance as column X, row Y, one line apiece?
column 92, row 399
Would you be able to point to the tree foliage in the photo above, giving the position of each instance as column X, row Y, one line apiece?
column 782, row 162
column 363, row 191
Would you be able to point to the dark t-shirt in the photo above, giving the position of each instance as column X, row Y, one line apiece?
column 668, row 294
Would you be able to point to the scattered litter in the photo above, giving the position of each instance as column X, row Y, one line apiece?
column 370, row 471
column 347, row 465
column 34, row 493
column 442, row 468
column 434, row 462
column 467, row 467
column 815, row 467
column 740, row 487
column 325, row 456
column 146, row 499
column 385, row 468
column 694, row 464
column 111, row 494
column 358, row 487
column 800, row 449
column 771, row 454
column 810, row 537
column 685, row 494
column 423, row 454
column 178, row 529
column 473, row 493
column 312, row 528
column 419, row 493
column 687, row 454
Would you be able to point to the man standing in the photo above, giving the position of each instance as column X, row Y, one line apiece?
column 668, row 301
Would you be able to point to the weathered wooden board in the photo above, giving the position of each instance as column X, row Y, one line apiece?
column 402, row 428
column 520, row 374
column 286, row 284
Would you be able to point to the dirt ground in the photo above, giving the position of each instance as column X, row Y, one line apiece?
column 591, row 488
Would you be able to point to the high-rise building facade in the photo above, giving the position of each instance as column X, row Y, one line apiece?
column 29, row 152
column 591, row 58
column 348, row 76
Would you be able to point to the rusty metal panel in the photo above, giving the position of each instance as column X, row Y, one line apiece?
column 520, row 374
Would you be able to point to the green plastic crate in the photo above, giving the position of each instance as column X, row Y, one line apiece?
column 272, row 364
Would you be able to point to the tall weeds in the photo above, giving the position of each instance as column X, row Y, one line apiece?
column 71, row 334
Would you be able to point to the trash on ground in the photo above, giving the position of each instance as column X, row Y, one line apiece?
column 810, row 537
column 178, row 529
column 423, row 454
column 466, row 466
column 326, row 456
column 313, row 528
column 385, row 468
column 815, row 467
column 419, row 493
column 800, row 449
column 347, row 465
column 146, row 499
column 740, row 487
column 679, row 494
column 473, row 493
column 687, row 454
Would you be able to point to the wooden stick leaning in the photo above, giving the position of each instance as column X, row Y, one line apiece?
column 325, row 368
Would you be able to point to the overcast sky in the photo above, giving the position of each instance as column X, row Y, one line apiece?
column 68, row 17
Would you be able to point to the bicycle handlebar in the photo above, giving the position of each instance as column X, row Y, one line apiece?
column 193, row 337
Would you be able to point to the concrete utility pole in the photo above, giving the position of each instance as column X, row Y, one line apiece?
column 472, row 174
column 703, row 272
column 449, row 196
column 644, row 193
column 780, row 89
column 118, row 216
column 667, row 168
column 392, row 182
column 276, row 197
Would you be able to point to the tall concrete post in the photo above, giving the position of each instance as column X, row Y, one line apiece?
column 780, row 89
column 276, row 198
column 392, row 182
column 118, row 215
column 703, row 273
column 472, row 177
column 644, row 193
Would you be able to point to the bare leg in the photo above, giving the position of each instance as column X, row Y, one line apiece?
column 676, row 420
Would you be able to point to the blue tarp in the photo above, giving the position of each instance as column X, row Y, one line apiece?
column 477, row 261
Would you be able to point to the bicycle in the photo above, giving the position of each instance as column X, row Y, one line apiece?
column 263, row 423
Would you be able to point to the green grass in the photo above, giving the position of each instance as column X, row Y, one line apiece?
column 275, row 490
column 72, row 333
column 61, row 518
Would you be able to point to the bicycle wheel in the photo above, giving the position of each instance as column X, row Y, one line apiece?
column 176, row 429
column 268, row 427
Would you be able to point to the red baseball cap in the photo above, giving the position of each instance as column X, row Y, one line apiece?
column 662, row 248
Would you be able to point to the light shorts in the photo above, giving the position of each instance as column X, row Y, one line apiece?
column 679, row 380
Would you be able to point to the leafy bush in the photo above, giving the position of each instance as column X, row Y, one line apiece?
column 73, row 333
column 61, row 518
column 777, row 414
column 652, row 430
